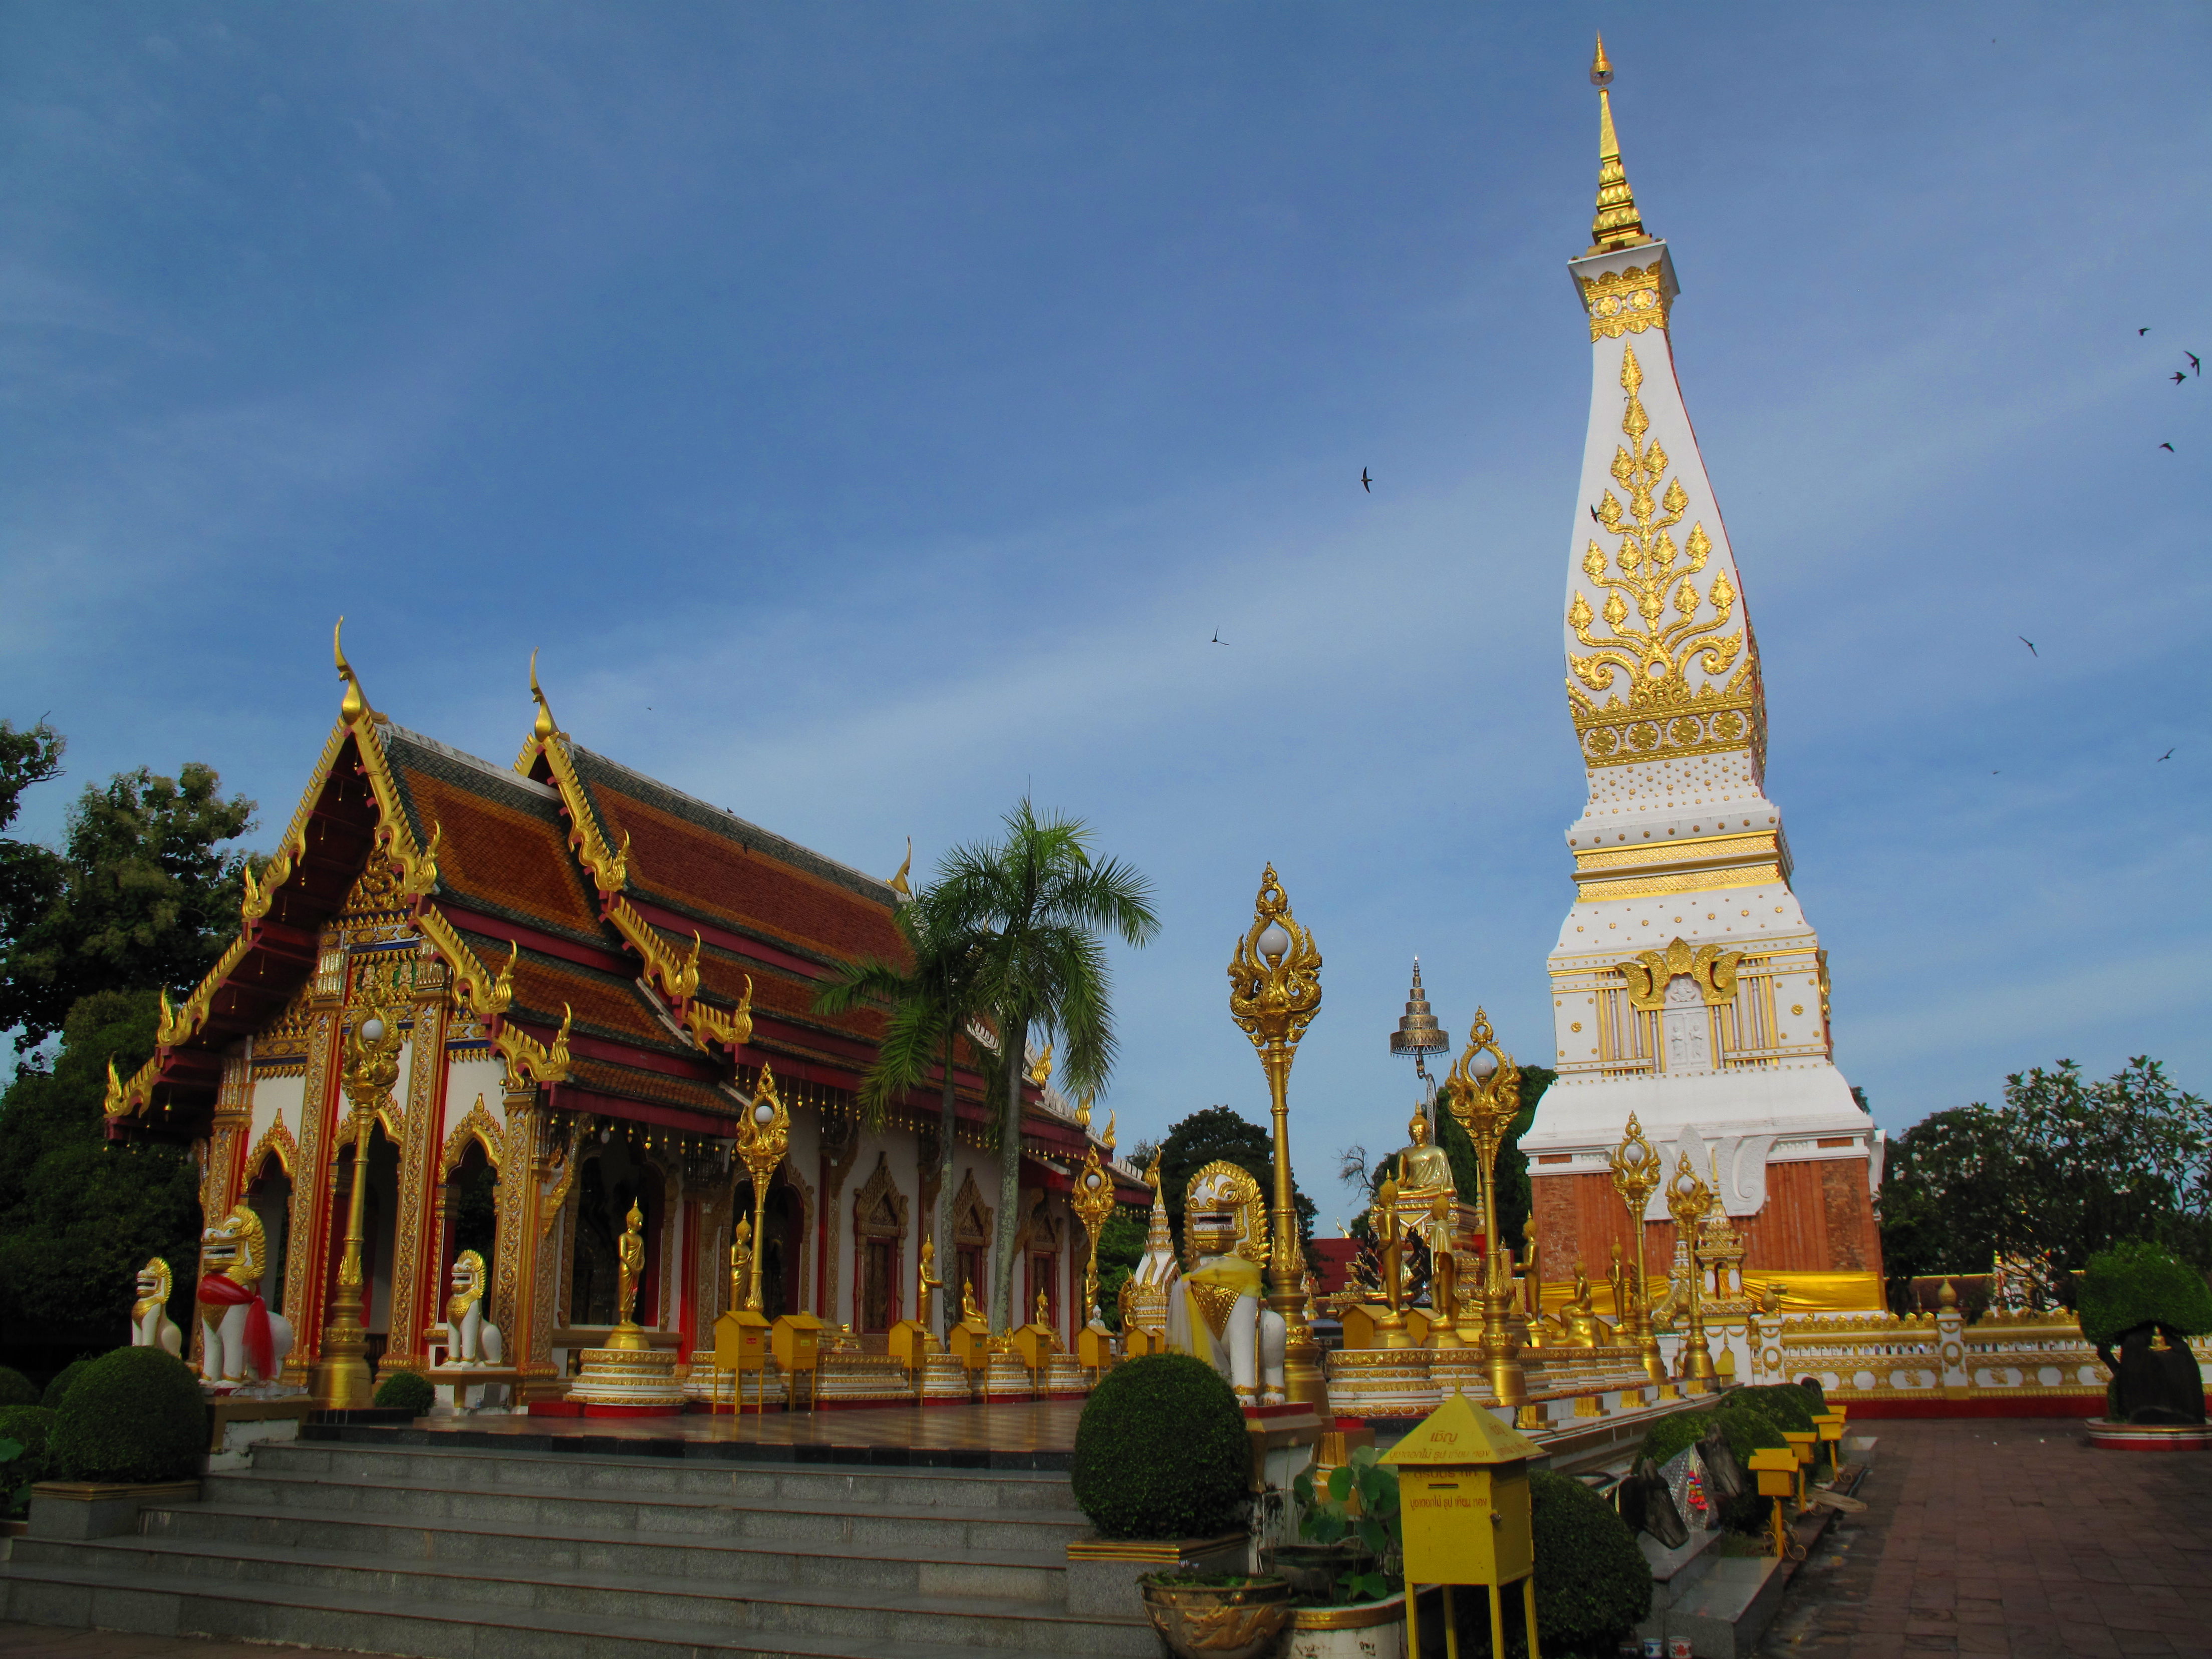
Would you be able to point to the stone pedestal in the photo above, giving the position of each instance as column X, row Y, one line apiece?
column 1381, row 1383
column 628, row 1382
column 706, row 1388
column 943, row 1380
column 1007, row 1378
column 1064, row 1378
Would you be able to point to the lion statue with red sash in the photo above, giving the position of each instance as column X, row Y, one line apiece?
column 241, row 1341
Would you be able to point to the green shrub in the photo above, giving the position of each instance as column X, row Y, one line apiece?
column 1783, row 1403
column 134, row 1414
column 1747, row 1428
column 29, row 1429
column 1672, row 1435
column 1593, row 1584
column 2138, row 1284
column 15, row 1389
column 64, row 1380
column 1160, row 1451
column 407, row 1391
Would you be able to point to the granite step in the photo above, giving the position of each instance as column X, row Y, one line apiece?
column 498, row 1594
column 252, row 1610
column 927, row 1567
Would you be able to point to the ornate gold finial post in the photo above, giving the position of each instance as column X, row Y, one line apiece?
column 764, row 1133
column 1274, row 991
column 1636, row 1168
column 1618, row 225
column 1689, row 1198
column 367, row 1073
column 1484, row 1093
column 1093, row 1203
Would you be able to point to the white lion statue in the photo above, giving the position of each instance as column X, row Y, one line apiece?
column 241, row 1341
column 150, row 1324
column 471, row 1338
column 1216, row 1311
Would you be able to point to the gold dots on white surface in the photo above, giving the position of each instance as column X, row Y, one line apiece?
column 1795, row 1008
column 1710, row 916
column 1577, row 1026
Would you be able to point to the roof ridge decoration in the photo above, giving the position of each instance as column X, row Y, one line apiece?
column 675, row 979
column 414, row 862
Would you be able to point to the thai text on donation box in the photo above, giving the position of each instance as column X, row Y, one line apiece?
column 1463, row 1497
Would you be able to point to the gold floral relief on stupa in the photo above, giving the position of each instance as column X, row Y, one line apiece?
column 1648, row 577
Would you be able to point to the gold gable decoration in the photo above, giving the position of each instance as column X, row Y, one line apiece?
column 1712, row 967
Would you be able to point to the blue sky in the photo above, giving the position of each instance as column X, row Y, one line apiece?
column 872, row 412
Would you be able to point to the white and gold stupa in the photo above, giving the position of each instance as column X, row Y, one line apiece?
column 1687, row 986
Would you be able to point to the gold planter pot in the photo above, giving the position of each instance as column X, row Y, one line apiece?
column 1238, row 1621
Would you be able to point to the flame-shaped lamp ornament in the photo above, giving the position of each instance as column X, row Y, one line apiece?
column 1636, row 1167
column 1093, row 1203
column 1274, row 991
column 1483, row 1092
column 764, row 1135
column 1689, row 1198
column 369, row 1067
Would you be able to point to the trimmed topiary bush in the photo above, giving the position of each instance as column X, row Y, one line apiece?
column 407, row 1391
column 133, row 1415
column 1746, row 1428
column 30, row 1427
column 1816, row 1397
column 1593, row 1584
column 1783, row 1403
column 2138, row 1284
column 1160, row 1451
column 64, row 1380
column 15, row 1389
column 1671, row 1435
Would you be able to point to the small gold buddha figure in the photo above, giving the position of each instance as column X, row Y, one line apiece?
column 630, row 1264
column 926, row 1283
column 1423, row 1167
column 1583, row 1328
column 970, row 1314
column 741, row 1264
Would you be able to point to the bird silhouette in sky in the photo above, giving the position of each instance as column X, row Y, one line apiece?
column 2141, row 333
column 1218, row 640
column 2168, row 448
column 2027, row 641
column 2194, row 367
column 1366, row 483
column 1593, row 517
column 2167, row 755
column 2178, row 377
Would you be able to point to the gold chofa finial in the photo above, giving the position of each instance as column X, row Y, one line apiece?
column 899, row 883
column 355, row 702
column 544, row 726
column 1617, row 224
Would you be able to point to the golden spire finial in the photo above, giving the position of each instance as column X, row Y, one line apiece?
column 355, row 702
column 1617, row 224
column 544, row 727
column 899, row 883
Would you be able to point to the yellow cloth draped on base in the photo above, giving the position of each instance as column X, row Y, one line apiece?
column 1229, row 1276
column 1796, row 1292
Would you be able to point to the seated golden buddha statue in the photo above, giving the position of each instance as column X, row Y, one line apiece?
column 1584, row 1329
column 1423, row 1169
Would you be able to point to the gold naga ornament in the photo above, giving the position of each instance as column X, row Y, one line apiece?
column 1274, row 992
column 1093, row 1201
column 763, row 1136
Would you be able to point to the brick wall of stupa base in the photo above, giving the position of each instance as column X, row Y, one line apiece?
column 1818, row 1217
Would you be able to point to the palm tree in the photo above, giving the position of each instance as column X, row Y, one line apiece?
column 1035, row 906
column 929, row 1003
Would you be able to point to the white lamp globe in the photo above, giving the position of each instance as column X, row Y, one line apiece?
column 372, row 1029
column 1484, row 1067
column 1092, row 1180
column 1274, row 941
column 763, row 1115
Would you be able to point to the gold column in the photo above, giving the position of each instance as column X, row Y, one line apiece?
column 1483, row 1092
column 369, row 1069
column 763, row 1134
column 1093, row 1202
column 1274, row 982
column 1635, row 1166
column 1689, row 1198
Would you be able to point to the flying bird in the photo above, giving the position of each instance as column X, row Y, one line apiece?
column 1218, row 640
column 2167, row 755
column 2168, row 448
column 1366, row 483
column 2178, row 377
column 1593, row 517
column 2141, row 333
column 2194, row 367
column 2027, row 641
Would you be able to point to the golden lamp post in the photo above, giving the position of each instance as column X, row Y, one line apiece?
column 1689, row 1198
column 763, row 1134
column 1636, row 1167
column 1093, row 1202
column 369, row 1068
column 1483, row 1092
column 1274, row 991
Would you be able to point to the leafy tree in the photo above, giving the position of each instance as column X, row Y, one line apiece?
column 30, row 875
column 1036, row 904
column 929, row 1001
column 1219, row 1133
column 80, row 1216
column 1515, row 1199
column 2065, row 1168
column 1121, row 1248
column 146, row 899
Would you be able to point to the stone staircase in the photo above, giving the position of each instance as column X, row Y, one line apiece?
column 481, row 1553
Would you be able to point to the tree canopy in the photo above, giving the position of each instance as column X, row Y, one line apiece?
column 142, row 895
column 2068, row 1166
column 1217, row 1132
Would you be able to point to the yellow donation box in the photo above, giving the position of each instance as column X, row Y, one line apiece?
column 1776, row 1469
column 795, row 1339
column 1463, row 1503
column 740, row 1341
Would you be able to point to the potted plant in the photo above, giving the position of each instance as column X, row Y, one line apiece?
column 2137, row 1298
column 1350, row 1569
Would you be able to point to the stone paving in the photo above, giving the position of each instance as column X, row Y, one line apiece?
column 2011, row 1539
